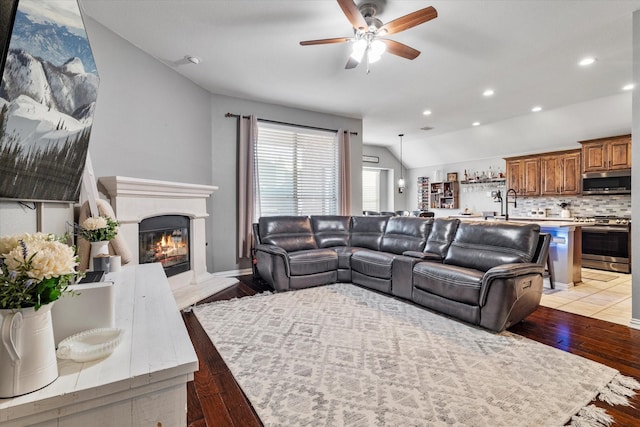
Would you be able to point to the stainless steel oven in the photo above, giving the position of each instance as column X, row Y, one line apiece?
column 606, row 244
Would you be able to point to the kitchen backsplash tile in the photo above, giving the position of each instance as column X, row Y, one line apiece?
column 585, row 206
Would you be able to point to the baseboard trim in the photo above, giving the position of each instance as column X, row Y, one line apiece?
column 635, row 323
column 233, row 273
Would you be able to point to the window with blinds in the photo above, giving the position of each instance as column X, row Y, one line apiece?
column 371, row 190
column 296, row 171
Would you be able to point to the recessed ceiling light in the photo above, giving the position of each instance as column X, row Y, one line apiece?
column 630, row 86
column 536, row 109
column 475, row 124
column 587, row 61
column 427, row 112
column 488, row 92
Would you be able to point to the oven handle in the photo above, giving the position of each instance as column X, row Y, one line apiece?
column 598, row 229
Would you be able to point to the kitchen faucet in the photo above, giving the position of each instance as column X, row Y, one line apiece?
column 506, row 204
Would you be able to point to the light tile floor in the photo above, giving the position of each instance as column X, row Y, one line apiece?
column 603, row 295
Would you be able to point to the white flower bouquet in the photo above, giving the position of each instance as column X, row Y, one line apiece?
column 98, row 228
column 34, row 270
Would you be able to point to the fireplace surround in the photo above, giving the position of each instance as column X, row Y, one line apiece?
column 136, row 200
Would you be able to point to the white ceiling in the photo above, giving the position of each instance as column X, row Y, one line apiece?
column 527, row 51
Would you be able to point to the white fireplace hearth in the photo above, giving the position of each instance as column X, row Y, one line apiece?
column 135, row 199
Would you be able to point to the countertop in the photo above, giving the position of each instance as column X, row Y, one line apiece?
column 548, row 222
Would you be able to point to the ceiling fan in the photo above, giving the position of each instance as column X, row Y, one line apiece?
column 369, row 30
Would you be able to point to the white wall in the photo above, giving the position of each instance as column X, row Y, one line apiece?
column 473, row 197
column 150, row 122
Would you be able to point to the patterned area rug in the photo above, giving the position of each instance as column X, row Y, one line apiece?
column 341, row 355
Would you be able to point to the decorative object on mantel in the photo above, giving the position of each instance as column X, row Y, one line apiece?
column 98, row 231
column 116, row 245
column 34, row 271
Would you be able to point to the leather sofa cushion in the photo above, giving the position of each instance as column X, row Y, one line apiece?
column 331, row 230
column 482, row 245
column 367, row 231
column 442, row 233
column 312, row 261
column 405, row 233
column 291, row 233
column 449, row 281
column 374, row 264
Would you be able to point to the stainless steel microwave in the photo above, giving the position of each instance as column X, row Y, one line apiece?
column 610, row 182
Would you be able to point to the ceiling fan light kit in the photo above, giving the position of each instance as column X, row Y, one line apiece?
column 368, row 31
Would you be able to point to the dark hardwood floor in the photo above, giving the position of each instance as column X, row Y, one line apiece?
column 214, row 399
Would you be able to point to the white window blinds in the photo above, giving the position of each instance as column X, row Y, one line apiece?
column 371, row 189
column 296, row 171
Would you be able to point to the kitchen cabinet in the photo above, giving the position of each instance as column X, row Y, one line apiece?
column 605, row 154
column 560, row 173
column 523, row 175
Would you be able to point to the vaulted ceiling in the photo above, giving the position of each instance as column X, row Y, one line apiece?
column 526, row 51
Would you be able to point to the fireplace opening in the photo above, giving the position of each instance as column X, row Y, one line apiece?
column 165, row 239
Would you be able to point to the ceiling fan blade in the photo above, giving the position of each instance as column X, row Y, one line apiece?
column 408, row 21
column 400, row 49
column 326, row 41
column 351, row 63
column 353, row 14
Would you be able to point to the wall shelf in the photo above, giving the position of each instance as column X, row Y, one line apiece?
column 495, row 181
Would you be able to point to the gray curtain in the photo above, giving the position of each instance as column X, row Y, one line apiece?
column 248, row 210
column 344, row 178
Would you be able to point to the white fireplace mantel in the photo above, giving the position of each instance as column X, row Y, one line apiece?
column 135, row 199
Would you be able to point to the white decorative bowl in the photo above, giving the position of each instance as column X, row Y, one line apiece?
column 90, row 345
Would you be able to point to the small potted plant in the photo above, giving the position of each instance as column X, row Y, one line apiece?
column 98, row 230
column 565, row 212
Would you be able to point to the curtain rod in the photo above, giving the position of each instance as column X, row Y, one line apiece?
column 238, row 116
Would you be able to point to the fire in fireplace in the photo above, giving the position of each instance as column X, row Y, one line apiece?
column 165, row 239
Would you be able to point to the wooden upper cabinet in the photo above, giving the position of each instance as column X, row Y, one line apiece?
column 531, row 178
column 514, row 175
column 606, row 154
column 560, row 173
column 571, row 182
column 523, row 175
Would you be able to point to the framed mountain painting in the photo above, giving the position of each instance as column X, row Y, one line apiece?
column 7, row 15
column 47, row 98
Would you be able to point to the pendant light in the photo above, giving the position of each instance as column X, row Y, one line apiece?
column 401, row 183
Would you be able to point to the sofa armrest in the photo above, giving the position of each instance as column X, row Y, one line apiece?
column 273, row 265
column 423, row 256
column 507, row 271
column 273, row 250
column 509, row 293
column 402, row 275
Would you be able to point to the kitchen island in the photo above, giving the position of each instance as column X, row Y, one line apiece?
column 565, row 251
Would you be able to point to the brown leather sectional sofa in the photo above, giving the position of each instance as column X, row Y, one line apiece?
column 485, row 273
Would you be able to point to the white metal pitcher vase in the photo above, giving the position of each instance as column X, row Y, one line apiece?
column 27, row 350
